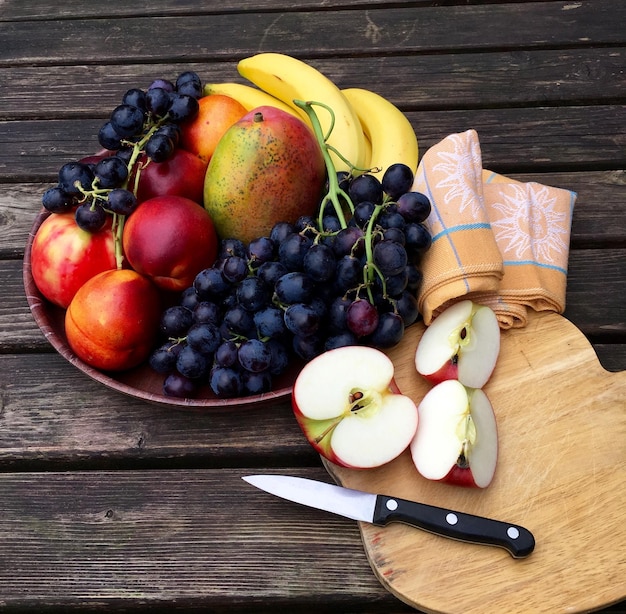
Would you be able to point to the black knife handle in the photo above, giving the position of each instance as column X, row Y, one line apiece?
column 456, row 525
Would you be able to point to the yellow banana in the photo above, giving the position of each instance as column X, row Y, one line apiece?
column 249, row 97
column 290, row 79
column 368, row 153
column 389, row 131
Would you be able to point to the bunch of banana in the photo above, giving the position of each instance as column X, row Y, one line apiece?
column 369, row 131
column 249, row 97
column 290, row 79
column 389, row 132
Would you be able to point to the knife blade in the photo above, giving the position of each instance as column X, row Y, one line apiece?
column 382, row 509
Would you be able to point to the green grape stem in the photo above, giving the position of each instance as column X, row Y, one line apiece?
column 100, row 193
column 370, row 267
column 334, row 193
column 119, row 220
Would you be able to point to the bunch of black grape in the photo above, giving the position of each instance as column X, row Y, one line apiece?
column 146, row 123
column 307, row 287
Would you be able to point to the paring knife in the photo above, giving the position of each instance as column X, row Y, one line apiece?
column 381, row 510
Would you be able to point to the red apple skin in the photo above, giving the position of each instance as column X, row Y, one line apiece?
column 393, row 386
column 313, row 428
column 64, row 257
column 170, row 239
column 449, row 370
column 460, row 476
column 181, row 175
column 112, row 321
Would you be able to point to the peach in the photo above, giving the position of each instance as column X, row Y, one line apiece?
column 216, row 114
column 112, row 321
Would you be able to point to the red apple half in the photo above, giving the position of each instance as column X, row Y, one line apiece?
column 457, row 438
column 350, row 409
column 462, row 343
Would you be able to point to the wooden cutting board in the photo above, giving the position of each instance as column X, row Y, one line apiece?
column 561, row 473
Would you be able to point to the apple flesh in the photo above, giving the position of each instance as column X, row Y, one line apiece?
column 170, row 239
column 349, row 407
column 64, row 257
column 456, row 439
column 462, row 343
column 112, row 321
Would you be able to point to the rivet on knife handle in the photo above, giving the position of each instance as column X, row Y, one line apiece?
column 456, row 525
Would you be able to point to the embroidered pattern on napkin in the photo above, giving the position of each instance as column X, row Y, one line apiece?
column 497, row 241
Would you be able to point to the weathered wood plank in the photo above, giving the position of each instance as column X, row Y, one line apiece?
column 612, row 356
column 592, row 273
column 16, row 10
column 53, row 415
column 346, row 32
column 512, row 140
column 507, row 78
column 199, row 539
column 596, row 221
column 596, row 278
column 193, row 538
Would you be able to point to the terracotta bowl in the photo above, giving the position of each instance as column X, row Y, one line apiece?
column 140, row 382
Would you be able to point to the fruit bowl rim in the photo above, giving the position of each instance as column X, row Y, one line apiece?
column 48, row 318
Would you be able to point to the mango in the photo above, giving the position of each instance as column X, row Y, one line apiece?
column 267, row 168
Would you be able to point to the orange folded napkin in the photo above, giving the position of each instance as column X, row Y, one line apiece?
column 497, row 241
column 464, row 259
column 531, row 223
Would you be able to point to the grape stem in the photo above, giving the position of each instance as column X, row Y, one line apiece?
column 119, row 220
column 334, row 191
column 370, row 267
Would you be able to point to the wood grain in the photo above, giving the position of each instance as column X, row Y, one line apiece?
column 381, row 30
column 512, row 140
column 593, row 226
column 464, row 80
column 562, row 428
column 112, row 504
column 592, row 272
column 187, row 540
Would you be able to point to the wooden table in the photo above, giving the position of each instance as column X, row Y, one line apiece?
column 109, row 503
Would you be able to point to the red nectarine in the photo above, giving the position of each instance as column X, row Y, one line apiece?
column 170, row 239
column 112, row 321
